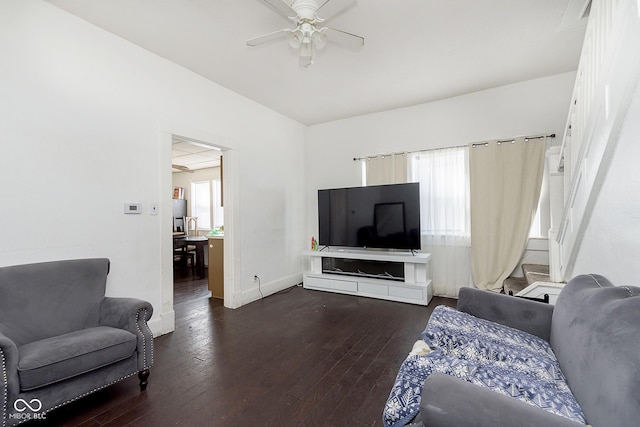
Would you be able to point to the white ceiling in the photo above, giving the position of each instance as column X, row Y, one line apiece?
column 415, row 51
column 193, row 155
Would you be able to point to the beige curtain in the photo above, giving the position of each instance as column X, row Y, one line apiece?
column 386, row 169
column 505, row 187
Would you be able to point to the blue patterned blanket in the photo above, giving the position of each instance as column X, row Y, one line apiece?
column 506, row 360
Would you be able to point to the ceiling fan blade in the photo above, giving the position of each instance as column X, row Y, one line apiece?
column 282, row 8
column 181, row 168
column 330, row 8
column 268, row 37
column 344, row 38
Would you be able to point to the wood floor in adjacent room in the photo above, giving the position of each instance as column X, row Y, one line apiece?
column 296, row 358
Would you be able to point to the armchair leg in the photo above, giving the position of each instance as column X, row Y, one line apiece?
column 143, row 376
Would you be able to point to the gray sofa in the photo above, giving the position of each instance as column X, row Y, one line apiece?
column 61, row 338
column 594, row 331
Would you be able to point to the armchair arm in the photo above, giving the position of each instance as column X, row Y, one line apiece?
column 528, row 316
column 132, row 315
column 448, row 401
column 9, row 381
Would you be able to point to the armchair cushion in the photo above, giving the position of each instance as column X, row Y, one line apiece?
column 54, row 359
column 130, row 314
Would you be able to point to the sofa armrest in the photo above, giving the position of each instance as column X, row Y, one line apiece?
column 529, row 316
column 448, row 401
column 132, row 315
column 9, row 381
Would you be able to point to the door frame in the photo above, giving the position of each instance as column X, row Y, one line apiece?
column 230, row 188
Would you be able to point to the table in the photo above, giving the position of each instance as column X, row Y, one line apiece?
column 538, row 289
column 199, row 242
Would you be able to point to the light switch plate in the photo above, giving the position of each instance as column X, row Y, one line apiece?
column 153, row 208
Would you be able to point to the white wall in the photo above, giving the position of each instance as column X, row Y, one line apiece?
column 81, row 119
column 532, row 107
column 611, row 243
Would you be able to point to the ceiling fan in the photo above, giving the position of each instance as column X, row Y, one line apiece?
column 181, row 168
column 307, row 35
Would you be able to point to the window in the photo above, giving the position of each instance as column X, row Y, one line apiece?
column 201, row 203
column 218, row 211
column 206, row 197
column 443, row 175
column 444, row 190
column 536, row 231
column 445, row 218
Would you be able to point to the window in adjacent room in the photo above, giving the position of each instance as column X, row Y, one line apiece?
column 218, row 211
column 206, row 199
column 201, row 203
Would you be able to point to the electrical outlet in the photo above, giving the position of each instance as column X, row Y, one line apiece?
column 255, row 277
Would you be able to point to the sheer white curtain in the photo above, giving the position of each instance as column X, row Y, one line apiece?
column 445, row 218
column 386, row 169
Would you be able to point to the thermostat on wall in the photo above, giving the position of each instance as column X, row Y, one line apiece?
column 132, row 208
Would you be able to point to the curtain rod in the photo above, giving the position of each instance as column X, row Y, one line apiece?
column 501, row 141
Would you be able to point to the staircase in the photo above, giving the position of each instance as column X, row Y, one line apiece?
column 532, row 273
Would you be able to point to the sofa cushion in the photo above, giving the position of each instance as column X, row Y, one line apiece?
column 594, row 334
column 54, row 359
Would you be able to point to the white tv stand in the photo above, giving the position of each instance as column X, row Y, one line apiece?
column 394, row 276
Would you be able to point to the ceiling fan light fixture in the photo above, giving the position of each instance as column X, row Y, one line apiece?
column 319, row 39
column 305, row 61
column 307, row 36
column 306, row 49
column 295, row 38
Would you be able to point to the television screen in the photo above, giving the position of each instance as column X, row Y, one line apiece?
column 378, row 216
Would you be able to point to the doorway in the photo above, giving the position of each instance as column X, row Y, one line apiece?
column 196, row 214
column 230, row 188
column 197, row 219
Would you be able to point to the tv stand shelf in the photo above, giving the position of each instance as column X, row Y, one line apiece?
column 394, row 276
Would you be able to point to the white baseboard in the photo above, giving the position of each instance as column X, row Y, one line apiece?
column 164, row 324
column 270, row 288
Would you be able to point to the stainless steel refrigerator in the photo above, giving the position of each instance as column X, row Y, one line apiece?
column 179, row 212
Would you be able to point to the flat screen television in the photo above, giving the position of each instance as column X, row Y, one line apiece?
column 377, row 216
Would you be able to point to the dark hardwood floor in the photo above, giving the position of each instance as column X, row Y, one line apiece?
column 296, row 358
column 187, row 287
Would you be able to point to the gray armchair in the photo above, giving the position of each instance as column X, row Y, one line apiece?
column 61, row 338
